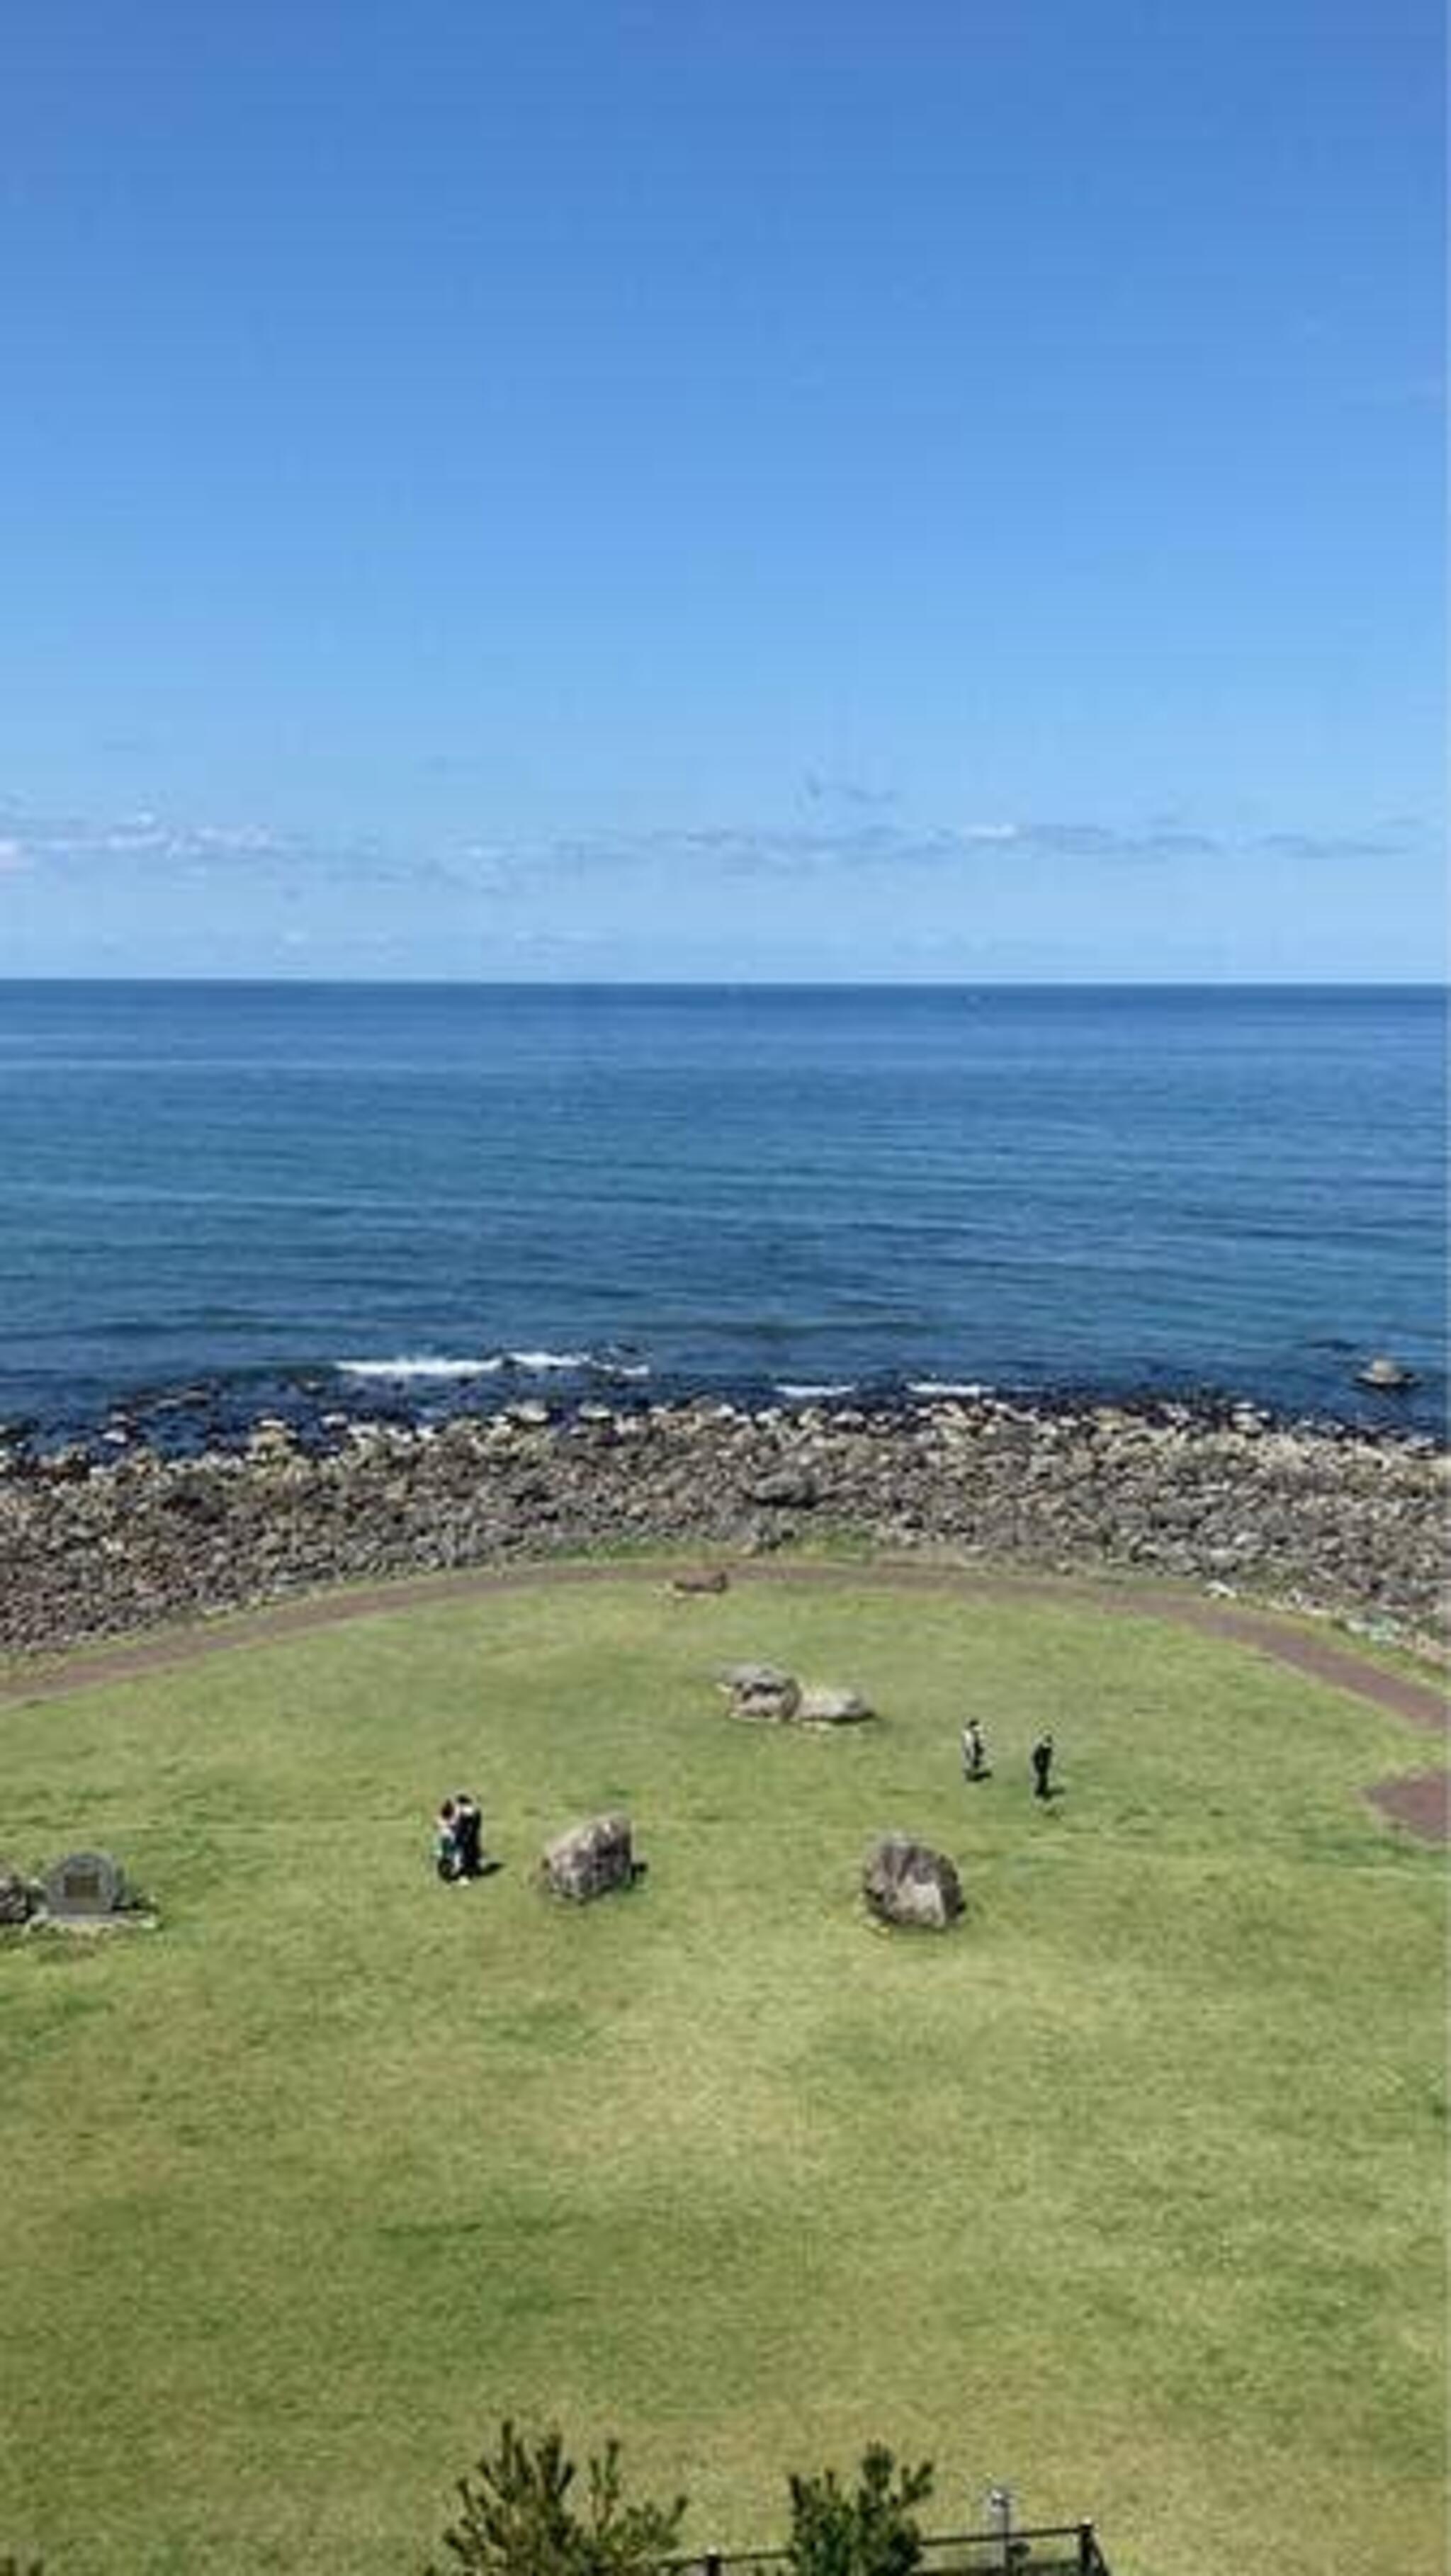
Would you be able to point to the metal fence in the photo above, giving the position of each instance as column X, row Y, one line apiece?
column 1029, row 2549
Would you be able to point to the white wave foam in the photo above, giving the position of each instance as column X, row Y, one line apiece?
column 402, row 1369
column 615, row 1368
column 801, row 1392
column 946, row 1386
column 540, row 1362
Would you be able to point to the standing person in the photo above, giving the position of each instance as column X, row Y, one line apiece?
column 1042, row 1759
column 445, row 1842
column 974, row 1752
column 468, row 1827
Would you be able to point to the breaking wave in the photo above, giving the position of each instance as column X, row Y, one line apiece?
column 947, row 1386
column 415, row 1368
column 404, row 1371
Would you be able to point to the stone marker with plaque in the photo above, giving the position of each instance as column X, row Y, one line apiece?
column 87, row 1891
column 87, row 1884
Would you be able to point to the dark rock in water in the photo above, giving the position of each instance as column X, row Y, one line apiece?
column 590, row 1859
column 905, row 1881
column 1388, row 1376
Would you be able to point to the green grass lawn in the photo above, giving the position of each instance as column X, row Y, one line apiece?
column 1130, row 2191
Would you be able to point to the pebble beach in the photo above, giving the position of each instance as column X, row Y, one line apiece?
column 1320, row 1518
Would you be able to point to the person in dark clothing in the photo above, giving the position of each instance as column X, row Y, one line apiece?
column 1042, row 1759
column 468, row 1827
column 974, row 1752
column 445, row 1842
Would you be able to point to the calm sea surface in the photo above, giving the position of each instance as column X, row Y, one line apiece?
column 218, row 1199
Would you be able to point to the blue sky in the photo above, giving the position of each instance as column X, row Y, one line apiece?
column 722, row 488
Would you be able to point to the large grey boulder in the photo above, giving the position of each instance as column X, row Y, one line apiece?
column 18, row 1897
column 905, row 1881
column 761, row 1691
column 820, row 1706
column 788, row 1489
column 590, row 1859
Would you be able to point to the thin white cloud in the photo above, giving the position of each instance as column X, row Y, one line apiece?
column 1386, row 841
column 70, row 837
column 78, row 843
column 511, row 868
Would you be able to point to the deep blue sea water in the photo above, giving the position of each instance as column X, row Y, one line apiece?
column 218, row 1199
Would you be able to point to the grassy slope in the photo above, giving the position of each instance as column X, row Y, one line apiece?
column 1131, row 2191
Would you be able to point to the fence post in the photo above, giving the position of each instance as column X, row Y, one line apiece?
column 1000, row 2505
column 1089, row 2561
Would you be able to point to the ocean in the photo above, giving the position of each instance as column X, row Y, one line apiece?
column 332, row 1200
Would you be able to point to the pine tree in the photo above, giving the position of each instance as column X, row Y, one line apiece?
column 870, row 2531
column 517, row 2517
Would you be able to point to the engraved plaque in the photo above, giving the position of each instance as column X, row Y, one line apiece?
column 84, row 1883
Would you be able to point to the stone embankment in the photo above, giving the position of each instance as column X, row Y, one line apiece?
column 1321, row 1519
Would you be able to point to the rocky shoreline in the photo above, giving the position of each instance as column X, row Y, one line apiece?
column 1320, row 1518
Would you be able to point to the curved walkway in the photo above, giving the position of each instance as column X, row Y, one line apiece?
column 1419, row 1801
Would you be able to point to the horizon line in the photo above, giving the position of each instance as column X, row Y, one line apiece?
column 743, row 983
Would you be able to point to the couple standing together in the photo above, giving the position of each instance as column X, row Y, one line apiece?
column 458, row 1839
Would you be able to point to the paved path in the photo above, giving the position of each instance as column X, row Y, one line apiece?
column 1418, row 1801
